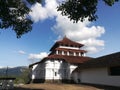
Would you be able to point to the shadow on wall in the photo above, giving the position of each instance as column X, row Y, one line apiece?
column 64, row 72
column 61, row 74
column 39, row 73
column 75, row 77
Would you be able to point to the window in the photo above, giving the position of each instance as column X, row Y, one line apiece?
column 66, row 45
column 60, row 52
column 82, row 54
column 71, row 45
column 65, row 53
column 115, row 71
column 77, row 53
column 61, row 44
column 55, row 73
column 71, row 53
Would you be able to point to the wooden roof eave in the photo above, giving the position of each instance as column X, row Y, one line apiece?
column 65, row 49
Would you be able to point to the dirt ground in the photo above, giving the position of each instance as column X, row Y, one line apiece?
column 48, row 86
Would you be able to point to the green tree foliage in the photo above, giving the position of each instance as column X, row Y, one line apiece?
column 24, row 77
column 78, row 10
column 15, row 14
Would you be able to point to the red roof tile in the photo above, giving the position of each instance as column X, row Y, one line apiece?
column 69, row 59
column 66, row 41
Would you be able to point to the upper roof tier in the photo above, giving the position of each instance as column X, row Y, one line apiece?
column 66, row 42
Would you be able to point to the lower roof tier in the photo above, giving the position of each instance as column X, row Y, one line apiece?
column 70, row 59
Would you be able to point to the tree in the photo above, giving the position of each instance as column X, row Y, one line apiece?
column 78, row 10
column 15, row 14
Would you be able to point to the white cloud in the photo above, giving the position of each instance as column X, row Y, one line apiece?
column 21, row 52
column 82, row 32
column 38, row 12
column 37, row 56
column 41, row 13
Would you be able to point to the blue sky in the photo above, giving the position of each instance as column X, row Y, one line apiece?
column 100, row 37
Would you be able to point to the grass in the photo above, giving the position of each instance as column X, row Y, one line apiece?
column 48, row 86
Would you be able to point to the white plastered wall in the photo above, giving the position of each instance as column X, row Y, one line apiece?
column 52, row 70
column 99, row 76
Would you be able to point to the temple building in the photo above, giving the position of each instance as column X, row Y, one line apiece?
column 58, row 66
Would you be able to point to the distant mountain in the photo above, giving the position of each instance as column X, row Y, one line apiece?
column 12, row 71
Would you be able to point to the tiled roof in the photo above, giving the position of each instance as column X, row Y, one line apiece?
column 104, row 61
column 66, row 41
column 69, row 59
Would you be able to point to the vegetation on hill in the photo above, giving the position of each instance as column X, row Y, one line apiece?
column 23, row 78
column 20, row 73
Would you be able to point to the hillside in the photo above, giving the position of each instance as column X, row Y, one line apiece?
column 15, row 71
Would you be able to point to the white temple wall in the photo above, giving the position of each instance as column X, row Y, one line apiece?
column 52, row 70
